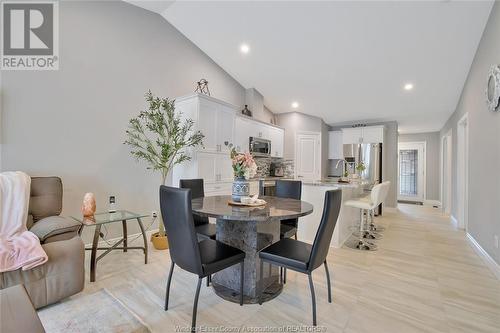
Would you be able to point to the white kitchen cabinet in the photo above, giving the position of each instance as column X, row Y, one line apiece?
column 277, row 137
column 352, row 135
column 373, row 134
column 244, row 129
column 335, row 145
column 225, row 126
column 224, row 168
column 215, row 119
column 368, row 134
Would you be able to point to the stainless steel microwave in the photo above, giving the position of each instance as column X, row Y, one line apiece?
column 259, row 147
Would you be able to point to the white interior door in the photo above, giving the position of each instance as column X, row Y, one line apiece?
column 411, row 171
column 308, row 156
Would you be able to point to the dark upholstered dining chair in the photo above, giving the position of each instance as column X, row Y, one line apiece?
column 200, row 258
column 291, row 189
column 302, row 257
column 203, row 228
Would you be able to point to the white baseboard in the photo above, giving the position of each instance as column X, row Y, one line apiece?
column 432, row 203
column 454, row 221
column 130, row 237
column 492, row 264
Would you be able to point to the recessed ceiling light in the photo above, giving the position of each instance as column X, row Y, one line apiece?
column 295, row 105
column 244, row 48
column 408, row 86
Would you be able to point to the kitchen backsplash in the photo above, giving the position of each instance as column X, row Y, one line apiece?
column 264, row 163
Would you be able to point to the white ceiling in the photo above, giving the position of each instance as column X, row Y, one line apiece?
column 342, row 61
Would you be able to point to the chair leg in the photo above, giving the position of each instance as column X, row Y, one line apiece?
column 328, row 282
column 209, row 279
column 242, row 280
column 167, row 294
column 261, row 281
column 195, row 305
column 313, row 298
column 284, row 275
column 295, row 236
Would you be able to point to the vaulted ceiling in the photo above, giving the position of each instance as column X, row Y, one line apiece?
column 342, row 61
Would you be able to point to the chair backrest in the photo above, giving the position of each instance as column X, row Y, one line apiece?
column 321, row 245
column 197, row 191
column 175, row 205
column 291, row 189
column 45, row 198
column 376, row 194
column 385, row 191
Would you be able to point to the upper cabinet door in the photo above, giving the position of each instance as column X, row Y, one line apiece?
column 225, row 127
column 335, row 145
column 352, row 135
column 277, row 137
column 373, row 134
column 207, row 124
column 243, row 130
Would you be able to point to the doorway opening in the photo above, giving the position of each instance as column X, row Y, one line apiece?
column 411, row 172
column 463, row 172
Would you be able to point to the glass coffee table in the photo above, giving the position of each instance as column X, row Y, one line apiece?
column 103, row 218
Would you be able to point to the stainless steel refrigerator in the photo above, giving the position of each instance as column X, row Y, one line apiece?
column 371, row 156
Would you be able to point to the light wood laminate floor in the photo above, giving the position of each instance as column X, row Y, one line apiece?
column 424, row 278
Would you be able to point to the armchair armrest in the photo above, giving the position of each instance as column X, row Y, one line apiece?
column 56, row 227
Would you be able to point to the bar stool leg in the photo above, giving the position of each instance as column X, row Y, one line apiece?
column 361, row 243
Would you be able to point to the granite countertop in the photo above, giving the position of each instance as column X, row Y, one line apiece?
column 335, row 183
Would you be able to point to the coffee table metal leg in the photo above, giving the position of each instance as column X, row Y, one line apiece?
column 124, row 224
column 144, row 239
column 93, row 259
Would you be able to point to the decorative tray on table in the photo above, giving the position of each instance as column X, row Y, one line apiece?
column 256, row 203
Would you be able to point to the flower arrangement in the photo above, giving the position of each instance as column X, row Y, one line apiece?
column 244, row 165
column 360, row 167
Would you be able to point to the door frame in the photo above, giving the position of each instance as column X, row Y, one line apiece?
column 421, row 146
column 446, row 177
column 463, row 172
column 297, row 135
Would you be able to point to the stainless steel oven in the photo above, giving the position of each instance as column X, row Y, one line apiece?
column 259, row 147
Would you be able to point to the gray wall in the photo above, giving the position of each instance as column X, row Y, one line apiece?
column 432, row 159
column 484, row 142
column 294, row 122
column 389, row 156
column 71, row 123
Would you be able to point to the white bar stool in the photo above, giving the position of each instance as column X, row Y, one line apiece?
column 367, row 205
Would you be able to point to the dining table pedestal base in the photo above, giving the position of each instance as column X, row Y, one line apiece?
column 250, row 237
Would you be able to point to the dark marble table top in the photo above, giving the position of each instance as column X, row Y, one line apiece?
column 277, row 208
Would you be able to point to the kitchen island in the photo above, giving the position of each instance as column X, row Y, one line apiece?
column 314, row 193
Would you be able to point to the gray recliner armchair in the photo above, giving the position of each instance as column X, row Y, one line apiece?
column 63, row 274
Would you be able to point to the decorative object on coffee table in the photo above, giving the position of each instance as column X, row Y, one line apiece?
column 104, row 218
column 244, row 168
column 88, row 206
column 202, row 87
column 160, row 137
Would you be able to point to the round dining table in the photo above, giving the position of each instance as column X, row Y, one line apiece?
column 249, row 229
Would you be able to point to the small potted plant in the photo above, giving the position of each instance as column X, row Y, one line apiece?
column 244, row 168
column 360, row 167
column 159, row 137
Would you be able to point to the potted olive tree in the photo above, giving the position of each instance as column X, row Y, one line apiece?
column 159, row 137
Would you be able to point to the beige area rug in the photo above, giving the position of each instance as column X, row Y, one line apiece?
column 97, row 312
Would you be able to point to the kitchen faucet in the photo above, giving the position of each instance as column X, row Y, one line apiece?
column 344, row 165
